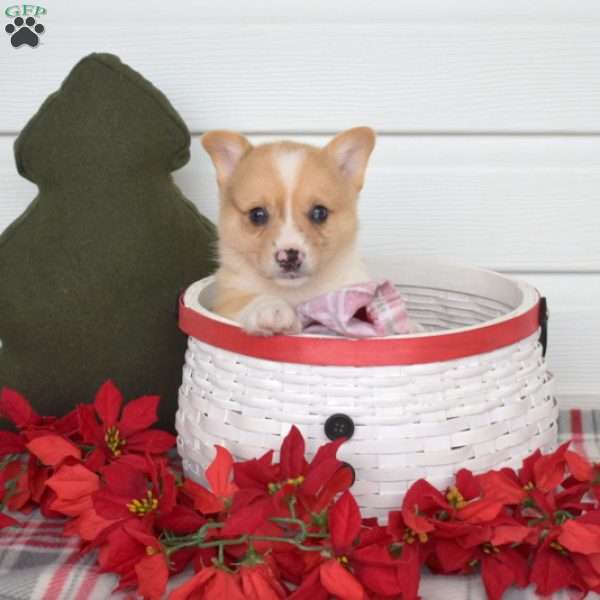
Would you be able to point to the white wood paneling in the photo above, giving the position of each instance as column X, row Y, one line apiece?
column 297, row 69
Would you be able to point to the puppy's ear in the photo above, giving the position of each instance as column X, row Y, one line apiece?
column 351, row 150
column 225, row 148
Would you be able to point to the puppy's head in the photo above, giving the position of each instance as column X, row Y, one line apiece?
column 288, row 209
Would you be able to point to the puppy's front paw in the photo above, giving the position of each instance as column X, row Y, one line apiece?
column 267, row 315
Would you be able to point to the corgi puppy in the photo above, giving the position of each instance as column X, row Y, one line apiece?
column 287, row 224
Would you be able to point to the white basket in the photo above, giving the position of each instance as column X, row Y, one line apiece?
column 414, row 415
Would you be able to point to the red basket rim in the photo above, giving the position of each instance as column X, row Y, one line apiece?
column 336, row 351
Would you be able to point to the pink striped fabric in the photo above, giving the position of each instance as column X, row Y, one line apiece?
column 370, row 309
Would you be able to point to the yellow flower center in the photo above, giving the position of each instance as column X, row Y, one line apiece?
column 151, row 551
column 410, row 536
column 455, row 498
column 558, row 547
column 113, row 440
column 295, row 481
column 343, row 560
column 529, row 487
column 143, row 505
column 490, row 549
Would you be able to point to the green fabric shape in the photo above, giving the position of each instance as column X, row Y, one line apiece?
column 91, row 272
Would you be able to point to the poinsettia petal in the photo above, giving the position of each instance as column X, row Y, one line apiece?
column 7, row 521
column 53, row 449
column 452, row 557
column 17, row 409
column 181, row 520
column 580, row 537
column 91, row 431
column 579, row 466
column 551, row 572
column 219, row 472
column 224, row 585
column 249, row 518
column 380, row 577
column 152, row 573
column 339, row 482
column 327, row 451
column 256, row 472
column 73, row 486
column 204, row 500
column 138, row 414
column 549, row 469
column 419, row 502
column 193, row 584
column 318, row 475
column 292, row 461
column 510, row 534
column 10, row 443
column 153, row 441
column 497, row 577
column 311, row 588
column 339, row 582
column 480, row 511
column 498, row 485
column 344, row 522
column 110, row 506
column 256, row 585
column 108, row 402
column 68, row 425
column 88, row 525
column 467, row 484
column 124, row 480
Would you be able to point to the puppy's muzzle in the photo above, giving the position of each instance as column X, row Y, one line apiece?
column 289, row 260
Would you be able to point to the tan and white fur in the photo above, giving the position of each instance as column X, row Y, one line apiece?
column 291, row 254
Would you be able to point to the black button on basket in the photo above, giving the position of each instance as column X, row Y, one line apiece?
column 338, row 426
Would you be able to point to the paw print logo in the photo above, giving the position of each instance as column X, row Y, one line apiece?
column 24, row 32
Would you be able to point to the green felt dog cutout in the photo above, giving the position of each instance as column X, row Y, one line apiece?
column 91, row 272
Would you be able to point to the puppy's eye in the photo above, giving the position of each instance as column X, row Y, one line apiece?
column 259, row 215
column 318, row 214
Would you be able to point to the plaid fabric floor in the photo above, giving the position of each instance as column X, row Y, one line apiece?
column 37, row 562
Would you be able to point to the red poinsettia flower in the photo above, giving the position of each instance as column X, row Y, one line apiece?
column 411, row 549
column 569, row 556
column 16, row 408
column 129, row 493
column 131, row 551
column 264, row 485
column 152, row 570
column 73, row 486
column 357, row 566
column 419, row 508
column 467, row 503
column 116, row 430
column 539, row 472
column 493, row 546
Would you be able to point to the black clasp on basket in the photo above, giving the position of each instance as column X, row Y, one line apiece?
column 544, row 316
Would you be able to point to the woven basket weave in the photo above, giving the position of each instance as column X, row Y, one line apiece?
column 414, row 415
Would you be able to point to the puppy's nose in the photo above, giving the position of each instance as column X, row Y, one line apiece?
column 289, row 259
